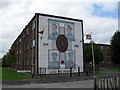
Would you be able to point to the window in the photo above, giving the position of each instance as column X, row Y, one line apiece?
column 108, row 48
column 33, row 25
column 24, row 62
column 24, row 34
column 101, row 47
column 27, row 62
column 17, row 62
column 33, row 43
column 20, row 40
column 27, row 47
column 19, row 51
column 27, row 32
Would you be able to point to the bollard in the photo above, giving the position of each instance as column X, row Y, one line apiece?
column 58, row 72
column 87, row 73
column 45, row 72
column 95, row 83
column 70, row 71
column 40, row 71
column 115, row 82
column 78, row 71
column 32, row 76
column 119, row 79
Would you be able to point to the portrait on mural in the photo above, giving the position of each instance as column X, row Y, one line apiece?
column 70, row 59
column 69, row 31
column 53, row 62
column 53, row 31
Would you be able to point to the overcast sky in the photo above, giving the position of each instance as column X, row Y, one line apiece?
column 99, row 17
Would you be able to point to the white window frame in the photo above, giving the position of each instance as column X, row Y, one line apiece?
column 27, row 32
column 33, row 43
column 27, row 62
column 102, row 47
column 33, row 25
column 27, row 47
column 20, row 40
column 19, row 51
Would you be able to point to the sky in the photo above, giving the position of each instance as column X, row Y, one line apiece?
column 99, row 17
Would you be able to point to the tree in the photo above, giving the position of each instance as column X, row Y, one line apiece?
column 9, row 58
column 5, row 62
column 98, row 55
column 115, row 48
column 12, row 56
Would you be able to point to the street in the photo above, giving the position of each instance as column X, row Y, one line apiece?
column 75, row 84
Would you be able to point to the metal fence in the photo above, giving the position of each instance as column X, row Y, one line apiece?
column 42, row 71
column 107, row 83
column 69, row 72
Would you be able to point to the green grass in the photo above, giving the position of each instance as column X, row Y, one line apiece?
column 113, row 68
column 0, row 73
column 10, row 74
column 101, row 73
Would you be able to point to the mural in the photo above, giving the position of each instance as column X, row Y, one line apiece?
column 69, row 32
column 53, row 60
column 53, row 31
column 61, row 34
column 70, row 60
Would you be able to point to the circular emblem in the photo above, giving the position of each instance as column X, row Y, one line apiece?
column 62, row 43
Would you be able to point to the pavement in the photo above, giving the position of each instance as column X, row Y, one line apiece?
column 73, row 84
column 46, row 80
column 75, row 81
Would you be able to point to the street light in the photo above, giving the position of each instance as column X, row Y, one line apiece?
column 88, row 36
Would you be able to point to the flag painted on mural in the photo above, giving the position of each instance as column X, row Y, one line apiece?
column 88, row 36
column 41, row 32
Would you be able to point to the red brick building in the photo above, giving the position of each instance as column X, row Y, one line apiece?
column 106, row 52
column 105, row 48
column 25, row 51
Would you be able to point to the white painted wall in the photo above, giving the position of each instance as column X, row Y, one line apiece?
column 43, row 50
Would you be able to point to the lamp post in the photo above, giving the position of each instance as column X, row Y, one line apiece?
column 93, row 56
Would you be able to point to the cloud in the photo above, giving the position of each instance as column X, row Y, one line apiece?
column 15, row 15
column 107, row 6
column 102, row 28
column 13, row 19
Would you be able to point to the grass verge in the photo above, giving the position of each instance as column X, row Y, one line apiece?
column 101, row 73
column 113, row 68
column 10, row 74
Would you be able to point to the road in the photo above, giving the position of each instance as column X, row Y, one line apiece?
column 75, row 84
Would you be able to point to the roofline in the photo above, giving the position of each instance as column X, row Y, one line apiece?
column 104, row 44
column 41, row 14
column 100, row 44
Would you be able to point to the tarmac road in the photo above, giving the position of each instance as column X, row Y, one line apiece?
column 75, row 84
